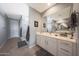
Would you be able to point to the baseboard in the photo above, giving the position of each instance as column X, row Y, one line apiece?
column 32, row 46
column 14, row 38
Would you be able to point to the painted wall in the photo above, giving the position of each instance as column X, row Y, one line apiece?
column 17, row 9
column 34, row 16
column 76, row 7
column 3, row 30
column 56, row 8
column 44, row 20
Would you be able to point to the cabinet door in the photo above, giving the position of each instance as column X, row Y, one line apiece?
column 44, row 42
column 39, row 40
column 52, row 46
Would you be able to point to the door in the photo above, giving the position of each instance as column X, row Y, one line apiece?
column 3, row 30
column 14, row 28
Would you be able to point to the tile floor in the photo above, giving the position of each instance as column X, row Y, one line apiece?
column 11, row 49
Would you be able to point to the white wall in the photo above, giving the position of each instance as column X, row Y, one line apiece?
column 34, row 15
column 44, row 20
column 17, row 9
column 3, row 30
column 56, row 8
column 76, row 7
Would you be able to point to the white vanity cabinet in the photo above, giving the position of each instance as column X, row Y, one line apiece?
column 57, row 46
column 44, row 42
column 49, row 44
column 38, row 41
column 52, row 45
column 41, row 41
column 66, row 48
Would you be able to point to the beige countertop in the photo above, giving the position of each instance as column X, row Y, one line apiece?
column 57, row 37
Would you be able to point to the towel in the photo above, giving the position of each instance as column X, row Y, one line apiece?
column 28, row 34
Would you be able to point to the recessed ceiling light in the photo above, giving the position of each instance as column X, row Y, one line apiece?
column 49, row 4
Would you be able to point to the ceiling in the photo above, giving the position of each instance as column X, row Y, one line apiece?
column 41, row 7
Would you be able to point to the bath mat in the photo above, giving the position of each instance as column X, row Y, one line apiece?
column 22, row 44
column 42, row 52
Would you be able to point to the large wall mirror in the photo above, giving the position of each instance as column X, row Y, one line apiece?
column 59, row 22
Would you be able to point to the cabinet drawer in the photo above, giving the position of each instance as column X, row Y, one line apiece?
column 63, row 52
column 64, row 45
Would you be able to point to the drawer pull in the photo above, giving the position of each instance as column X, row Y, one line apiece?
column 64, row 50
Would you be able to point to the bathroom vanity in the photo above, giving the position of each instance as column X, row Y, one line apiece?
column 56, row 44
column 59, row 37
